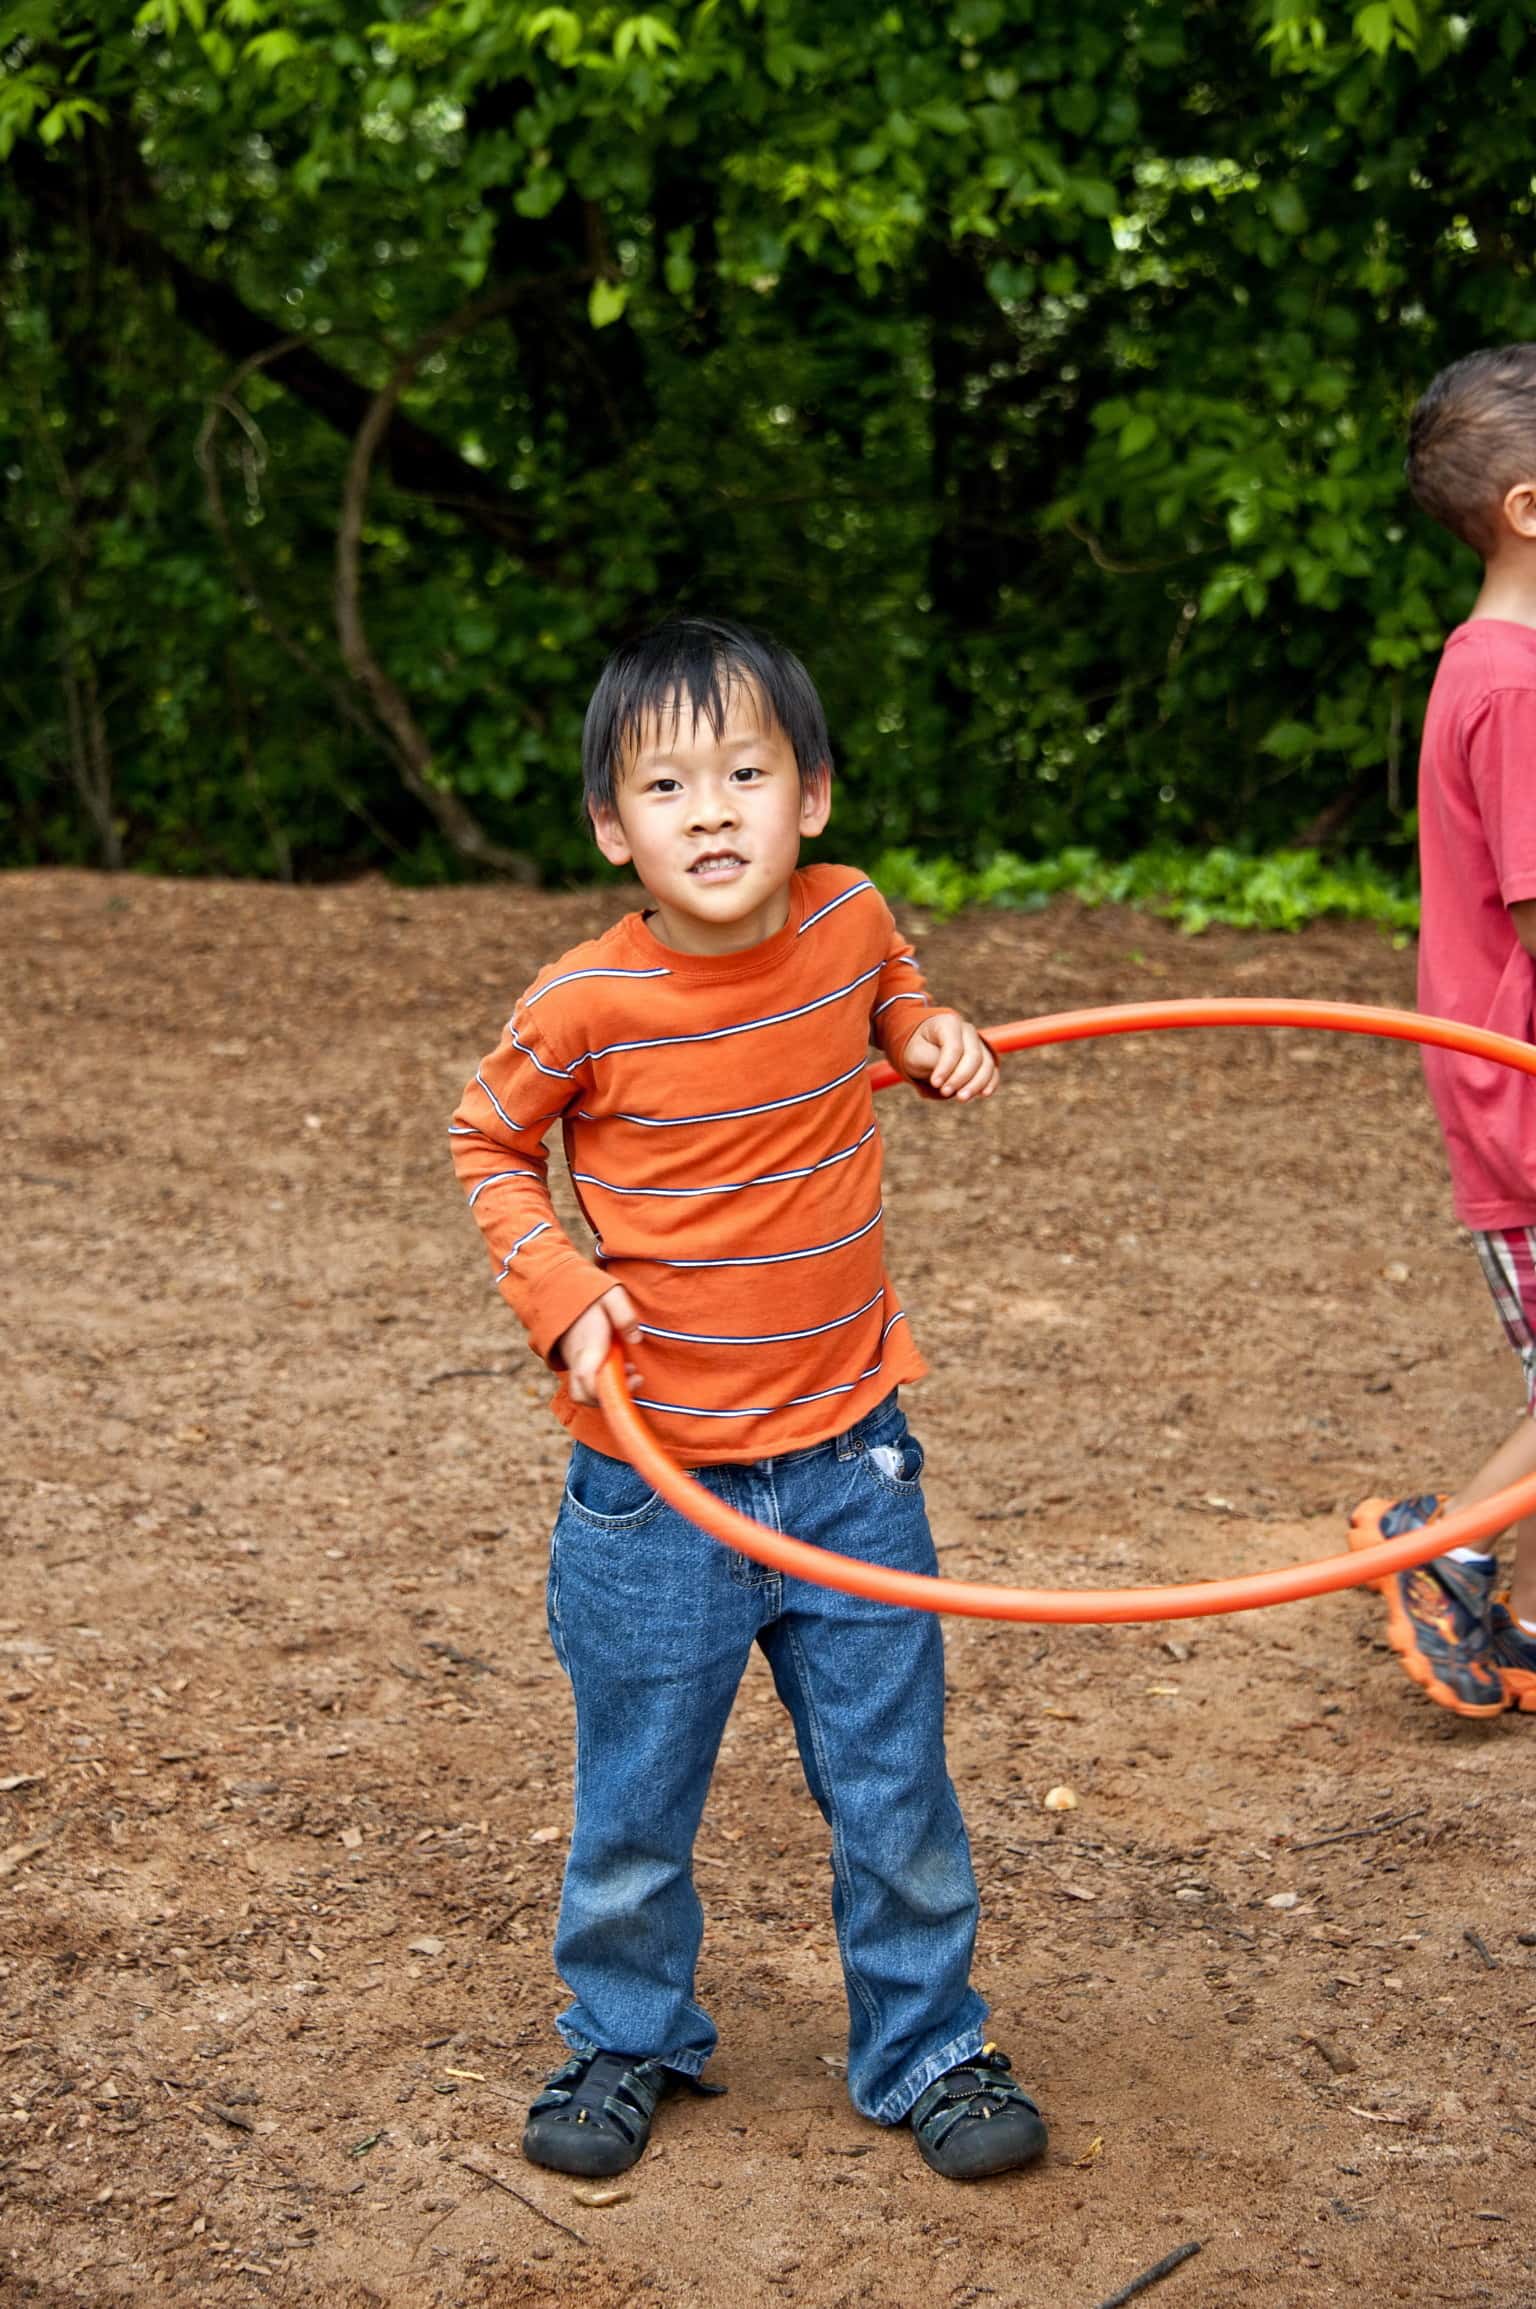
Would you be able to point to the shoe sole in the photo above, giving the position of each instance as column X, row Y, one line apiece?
column 1365, row 1531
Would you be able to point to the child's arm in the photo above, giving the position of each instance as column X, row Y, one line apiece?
column 498, row 1139
column 938, row 1051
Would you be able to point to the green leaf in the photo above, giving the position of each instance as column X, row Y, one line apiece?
column 606, row 302
column 1288, row 741
column 560, row 31
column 270, row 49
column 542, row 193
column 1374, row 26
column 68, row 118
column 678, row 267
column 1137, row 433
column 1094, row 196
column 1287, row 210
column 650, row 34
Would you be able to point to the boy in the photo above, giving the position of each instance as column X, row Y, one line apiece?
column 707, row 1063
column 1472, row 466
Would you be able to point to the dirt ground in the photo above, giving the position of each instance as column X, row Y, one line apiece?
column 284, row 1770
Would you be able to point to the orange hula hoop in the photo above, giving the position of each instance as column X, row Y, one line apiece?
column 971, row 1599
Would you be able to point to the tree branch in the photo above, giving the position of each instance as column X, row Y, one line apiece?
column 413, row 457
column 417, row 767
column 222, row 404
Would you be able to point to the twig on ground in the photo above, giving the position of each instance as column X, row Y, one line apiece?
column 1025, row 1504
column 1479, row 1947
column 16, row 1855
column 489, row 2173
column 1352, row 1835
column 458, row 1659
column 1159, row 2269
column 1341, row 2062
column 469, row 1371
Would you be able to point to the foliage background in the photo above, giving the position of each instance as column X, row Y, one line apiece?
column 1038, row 368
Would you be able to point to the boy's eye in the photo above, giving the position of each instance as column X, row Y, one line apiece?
column 662, row 786
column 746, row 770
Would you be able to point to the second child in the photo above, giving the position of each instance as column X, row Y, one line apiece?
column 1472, row 466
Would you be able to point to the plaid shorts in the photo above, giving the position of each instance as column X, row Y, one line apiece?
column 1509, row 1262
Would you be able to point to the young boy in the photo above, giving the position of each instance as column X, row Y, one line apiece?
column 1472, row 465
column 707, row 1063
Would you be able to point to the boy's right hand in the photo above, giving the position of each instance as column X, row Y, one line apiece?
column 584, row 1347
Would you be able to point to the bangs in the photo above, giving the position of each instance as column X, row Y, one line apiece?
column 695, row 667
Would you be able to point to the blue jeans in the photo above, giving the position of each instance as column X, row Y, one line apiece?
column 653, row 1621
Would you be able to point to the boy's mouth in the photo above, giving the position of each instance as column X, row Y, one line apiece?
column 716, row 866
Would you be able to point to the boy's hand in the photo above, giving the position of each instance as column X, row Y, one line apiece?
column 949, row 1055
column 584, row 1347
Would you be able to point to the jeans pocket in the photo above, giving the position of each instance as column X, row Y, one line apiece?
column 606, row 1493
column 896, row 1462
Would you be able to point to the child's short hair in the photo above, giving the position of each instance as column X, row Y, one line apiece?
column 1471, row 438
column 700, row 660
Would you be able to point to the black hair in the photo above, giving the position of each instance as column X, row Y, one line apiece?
column 1471, row 438
column 701, row 660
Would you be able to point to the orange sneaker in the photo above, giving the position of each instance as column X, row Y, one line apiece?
column 1514, row 1654
column 1368, row 1526
column 1439, row 1615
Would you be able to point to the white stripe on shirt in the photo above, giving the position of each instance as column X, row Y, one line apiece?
column 541, row 1229
column 832, row 905
column 737, row 1186
column 560, row 1073
column 759, row 1338
column 570, row 976
column 724, row 1033
column 496, row 1102
column 729, row 1113
column 765, row 1258
column 495, row 1180
column 768, row 1410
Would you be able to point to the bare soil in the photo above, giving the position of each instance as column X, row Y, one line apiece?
column 284, row 1773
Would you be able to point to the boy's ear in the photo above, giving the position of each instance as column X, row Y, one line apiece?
column 816, row 801
column 609, row 836
column 1520, row 508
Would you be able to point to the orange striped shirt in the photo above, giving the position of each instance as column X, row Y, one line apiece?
column 720, row 1134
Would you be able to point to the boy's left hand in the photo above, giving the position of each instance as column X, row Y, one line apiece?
column 949, row 1055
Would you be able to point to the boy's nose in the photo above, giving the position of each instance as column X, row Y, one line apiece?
column 711, row 811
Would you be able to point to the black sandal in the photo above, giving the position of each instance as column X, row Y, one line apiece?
column 594, row 2115
column 974, row 2121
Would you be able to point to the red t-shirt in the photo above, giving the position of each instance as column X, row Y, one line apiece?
column 1477, row 855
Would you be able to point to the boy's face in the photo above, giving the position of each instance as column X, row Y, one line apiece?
column 713, row 824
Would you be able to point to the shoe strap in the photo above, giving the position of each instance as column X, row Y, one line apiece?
column 952, row 2097
column 600, row 2084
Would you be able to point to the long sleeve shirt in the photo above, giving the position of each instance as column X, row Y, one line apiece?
column 720, row 1134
